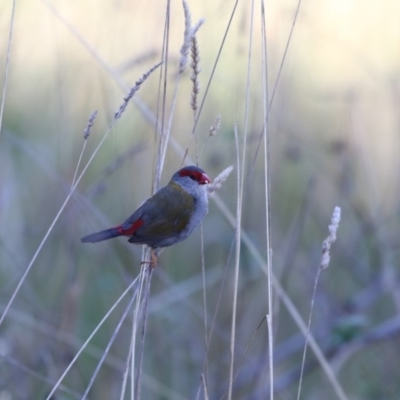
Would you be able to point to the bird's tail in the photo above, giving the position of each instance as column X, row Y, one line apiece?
column 102, row 235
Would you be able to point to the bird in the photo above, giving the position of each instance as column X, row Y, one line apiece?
column 167, row 217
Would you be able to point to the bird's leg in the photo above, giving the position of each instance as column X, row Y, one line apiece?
column 153, row 258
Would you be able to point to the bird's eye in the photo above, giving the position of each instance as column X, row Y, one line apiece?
column 193, row 176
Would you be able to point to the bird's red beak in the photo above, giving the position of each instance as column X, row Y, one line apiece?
column 204, row 179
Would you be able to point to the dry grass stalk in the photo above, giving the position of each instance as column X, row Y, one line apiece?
column 285, row 52
column 326, row 246
column 213, row 131
column 211, row 76
column 218, row 181
column 187, row 37
column 3, row 99
column 195, row 54
column 86, row 132
column 216, row 126
column 280, row 292
column 142, row 315
column 133, row 90
column 188, row 27
column 267, row 169
column 109, row 344
column 190, row 32
column 49, row 230
column 238, row 232
column 89, row 339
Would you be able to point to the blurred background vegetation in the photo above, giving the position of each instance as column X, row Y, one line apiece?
column 334, row 136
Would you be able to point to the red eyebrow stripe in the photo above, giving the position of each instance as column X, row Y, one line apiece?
column 132, row 229
column 186, row 172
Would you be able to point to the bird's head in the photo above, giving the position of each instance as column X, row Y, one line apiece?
column 190, row 178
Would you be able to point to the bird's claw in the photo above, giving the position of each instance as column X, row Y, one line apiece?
column 153, row 259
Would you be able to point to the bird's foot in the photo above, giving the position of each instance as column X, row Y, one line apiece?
column 153, row 259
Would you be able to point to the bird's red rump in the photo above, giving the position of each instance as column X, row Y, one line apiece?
column 132, row 229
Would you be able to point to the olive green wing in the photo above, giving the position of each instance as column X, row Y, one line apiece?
column 162, row 216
